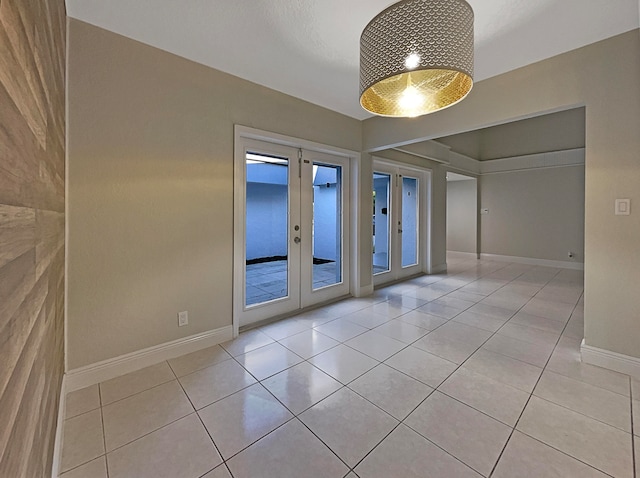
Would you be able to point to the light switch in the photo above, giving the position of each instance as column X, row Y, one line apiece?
column 623, row 207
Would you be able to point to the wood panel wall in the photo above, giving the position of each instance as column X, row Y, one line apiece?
column 32, row 161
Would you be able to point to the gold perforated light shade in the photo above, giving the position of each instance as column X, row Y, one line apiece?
column 416, row 57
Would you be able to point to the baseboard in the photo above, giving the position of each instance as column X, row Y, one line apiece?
column 578, row 266
column 438, row 268
column 57, row 445
column 107, row 369
column 610, row 360
column 466, row 255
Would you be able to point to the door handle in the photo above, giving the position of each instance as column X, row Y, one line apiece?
column 400, row 231
column 296, row 240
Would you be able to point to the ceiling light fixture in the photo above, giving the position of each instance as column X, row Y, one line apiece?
column 416, row 57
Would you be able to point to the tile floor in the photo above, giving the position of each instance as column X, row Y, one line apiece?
column 466, row 374
column 268, row 280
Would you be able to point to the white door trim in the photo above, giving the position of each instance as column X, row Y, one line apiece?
column 244, row 132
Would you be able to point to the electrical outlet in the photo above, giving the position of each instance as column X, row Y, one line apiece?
column 570, row 255
column 183, row 318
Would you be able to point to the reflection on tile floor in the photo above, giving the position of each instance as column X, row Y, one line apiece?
column 268, row 280
column 471, row 373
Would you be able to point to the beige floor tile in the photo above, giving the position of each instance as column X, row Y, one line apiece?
column 246, row 342
column 348, row 424
column 268, row 360
column 479, row 321
column 422, row 366
column 549, row 309
column 301, row 386
column 473, row 437
column 422, row 320
column 402, row 331
column 449, row 349
column 220, row 472
column 394, row 392
column 289, row 452
column 566, row 360
column 468, row 296
column 504, row 369
column 406, row 454
column 595, row 402
column 529, row 334
column 375, row 345
column 309, row 343
column 94, row 469
column 82, row 401
column 135, row 382
column 539, row 460
column 195, row 361
column 510, row 302
column 389, row 309
column 549, row 325
column 135, row 416
column 213, row 383
column 462, row 333
column 182, row 449
column 524, row 351
column 367, row 318
column 284, row 328
column 454, row 302
column 341, row 329
column 239, row 420
column 602, row 446
column 83, row 440
column 496, row 399
column 439, row 310
column 636, row 416
column 343, row 363
column 494, row 311
column 409, row 303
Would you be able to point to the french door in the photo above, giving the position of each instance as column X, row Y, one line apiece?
column 293, row 223
column 399, row 222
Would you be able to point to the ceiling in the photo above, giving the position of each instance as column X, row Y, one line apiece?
column 451, row 177
column 310, row 49
column 551, row 132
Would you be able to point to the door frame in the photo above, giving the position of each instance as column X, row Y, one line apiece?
column 355, row 233
column 425, row 175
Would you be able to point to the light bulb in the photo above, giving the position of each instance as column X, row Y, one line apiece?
column 412, row 61
column 411, row 101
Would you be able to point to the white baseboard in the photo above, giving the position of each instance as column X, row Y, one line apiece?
column 578, row 266
column 610, row 360
column 466, row 255
column 438, row 268
column 107, row 369
column 57, row 446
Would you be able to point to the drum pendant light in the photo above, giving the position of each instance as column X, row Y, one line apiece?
column 416, row 57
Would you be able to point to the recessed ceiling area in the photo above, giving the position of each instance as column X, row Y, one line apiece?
column 542, row 134
column 310, row 50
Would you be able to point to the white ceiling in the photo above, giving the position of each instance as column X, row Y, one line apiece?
column 310, row 49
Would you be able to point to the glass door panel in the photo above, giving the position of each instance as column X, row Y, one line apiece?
column 381, row 222
column 410, row 217
column 266, row 226
column 327, row 225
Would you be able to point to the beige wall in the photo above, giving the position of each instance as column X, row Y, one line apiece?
column 462, row 216
column 537, row 213
column 151, row 189
column 32, row 155
column 604, row 77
